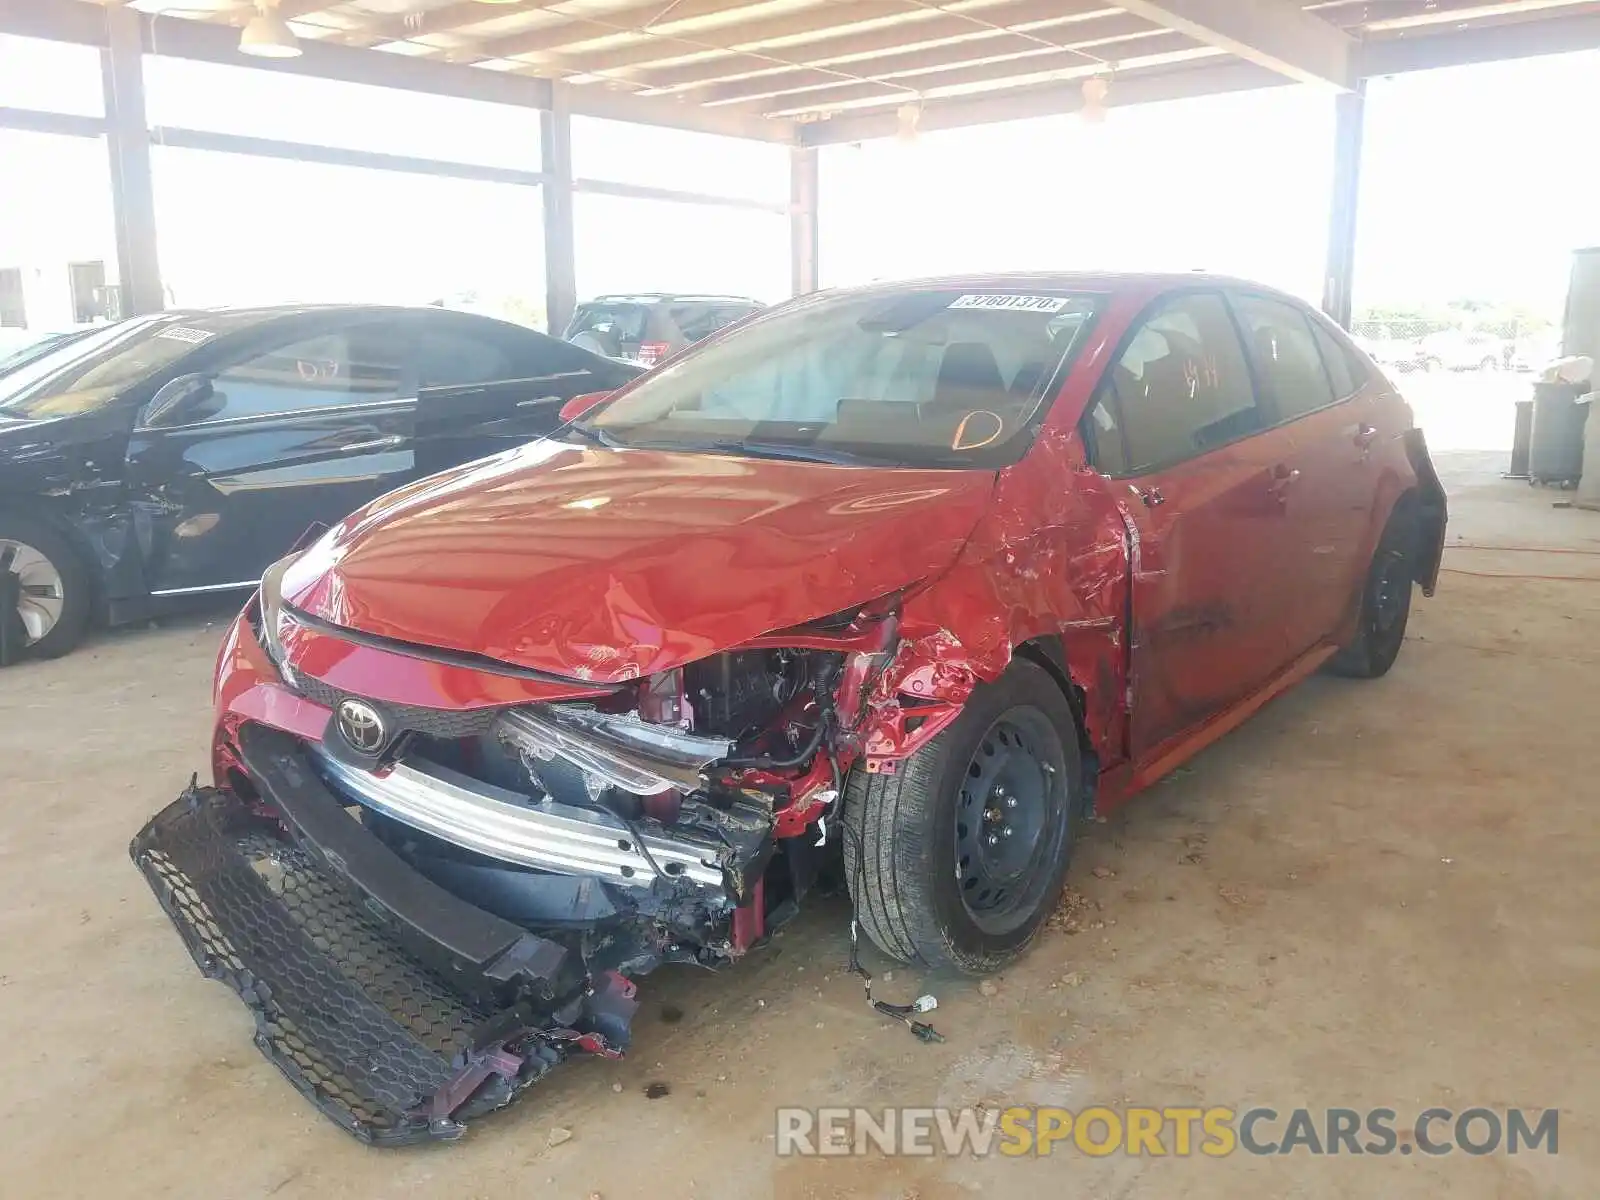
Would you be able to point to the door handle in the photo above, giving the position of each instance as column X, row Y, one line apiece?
column 539, row 401
column 1365, row 434
column 389, row 442
column 1152, row 497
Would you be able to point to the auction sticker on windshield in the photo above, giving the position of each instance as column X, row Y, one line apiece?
column 183, row 333
column 1033, row 304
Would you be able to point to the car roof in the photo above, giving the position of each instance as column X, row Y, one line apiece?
column 1105, row 282
column 268, row 311
column 658, row 297
column 263, row 314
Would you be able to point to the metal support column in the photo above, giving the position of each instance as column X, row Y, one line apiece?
column 1350, row 123
column 133, row 203
column 802, row 220
column 560, row 256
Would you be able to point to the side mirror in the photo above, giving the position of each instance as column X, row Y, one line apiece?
column 185, row 397
column 578, row 405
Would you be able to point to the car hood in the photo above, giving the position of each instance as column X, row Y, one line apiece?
column 611, row 564
column 35, row 446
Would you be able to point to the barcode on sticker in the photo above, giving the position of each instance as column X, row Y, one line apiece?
column 1033, row 304
column 183, row 333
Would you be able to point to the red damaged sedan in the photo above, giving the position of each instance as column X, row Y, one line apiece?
column 891, row 585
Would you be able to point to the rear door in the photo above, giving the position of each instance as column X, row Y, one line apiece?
column 485, row 388
column 1177, row 424
column 298, row 432
column 1327, row 424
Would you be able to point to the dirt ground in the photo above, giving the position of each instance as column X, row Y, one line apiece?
column 1374, row 894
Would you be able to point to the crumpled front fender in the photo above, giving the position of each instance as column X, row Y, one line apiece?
column 1048, row 563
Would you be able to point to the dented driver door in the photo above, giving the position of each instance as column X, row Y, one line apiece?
column 1176, row 425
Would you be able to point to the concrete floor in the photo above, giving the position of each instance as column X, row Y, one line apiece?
column 1373, row 894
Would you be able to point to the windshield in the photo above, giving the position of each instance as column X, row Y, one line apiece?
column 34, row 351
column 88, row 372
column 932, row 377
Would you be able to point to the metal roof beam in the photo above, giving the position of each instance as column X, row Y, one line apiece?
column 76, row 21
column 638, row 19
column 1164, row 49
column 882, row 48
column 911, row 67
column 1480, row 44
column 792, row 36
column 1275, row 34
column 1044, row 100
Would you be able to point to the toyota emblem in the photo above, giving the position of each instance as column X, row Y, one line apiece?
column 362, row 726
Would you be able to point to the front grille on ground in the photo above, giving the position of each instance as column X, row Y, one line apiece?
column 368, row 1034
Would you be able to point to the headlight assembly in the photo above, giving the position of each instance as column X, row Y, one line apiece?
column 273, row 616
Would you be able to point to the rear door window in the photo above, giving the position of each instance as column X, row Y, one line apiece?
column 362, row 364
column 446, row 358
column 1181, row 387
column 1285, row 356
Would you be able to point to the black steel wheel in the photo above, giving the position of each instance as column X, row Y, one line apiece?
column 1385, row 601
column 957, row 859
column 1002, row 826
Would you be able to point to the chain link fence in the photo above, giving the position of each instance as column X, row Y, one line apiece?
column 1478, row 339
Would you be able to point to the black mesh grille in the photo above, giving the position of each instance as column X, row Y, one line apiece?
column 361, row 1028
column 433, row 722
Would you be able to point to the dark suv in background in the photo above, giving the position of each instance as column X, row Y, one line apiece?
column 646, row 327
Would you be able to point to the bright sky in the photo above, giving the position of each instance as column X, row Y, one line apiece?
column 1478, row 182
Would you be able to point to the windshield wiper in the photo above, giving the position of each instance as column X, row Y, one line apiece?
column 782, row 450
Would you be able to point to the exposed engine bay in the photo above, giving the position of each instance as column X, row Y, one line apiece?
column 646, row 819
column 529, row 861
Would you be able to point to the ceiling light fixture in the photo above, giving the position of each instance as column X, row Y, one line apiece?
column 1095, row 90
column 268, row 35
column 908, row 118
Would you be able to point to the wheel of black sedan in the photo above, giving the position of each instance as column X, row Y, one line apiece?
column 957, row 860
column 50, row 585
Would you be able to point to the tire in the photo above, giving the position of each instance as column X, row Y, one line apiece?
column 1385, row 601
column 1433, row 366
column 64, row 621
column 922, row 891
column 1489, row 364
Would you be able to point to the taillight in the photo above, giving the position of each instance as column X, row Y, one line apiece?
column 650, row 353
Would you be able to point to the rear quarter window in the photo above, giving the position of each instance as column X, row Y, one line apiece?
column 698, row 321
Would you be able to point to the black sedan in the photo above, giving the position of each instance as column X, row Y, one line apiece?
column 182, row 453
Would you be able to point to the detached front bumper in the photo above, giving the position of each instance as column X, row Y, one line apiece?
column 398, row 1009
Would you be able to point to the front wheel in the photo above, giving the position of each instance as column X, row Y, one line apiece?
column 957, row 860
column 52, row 586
